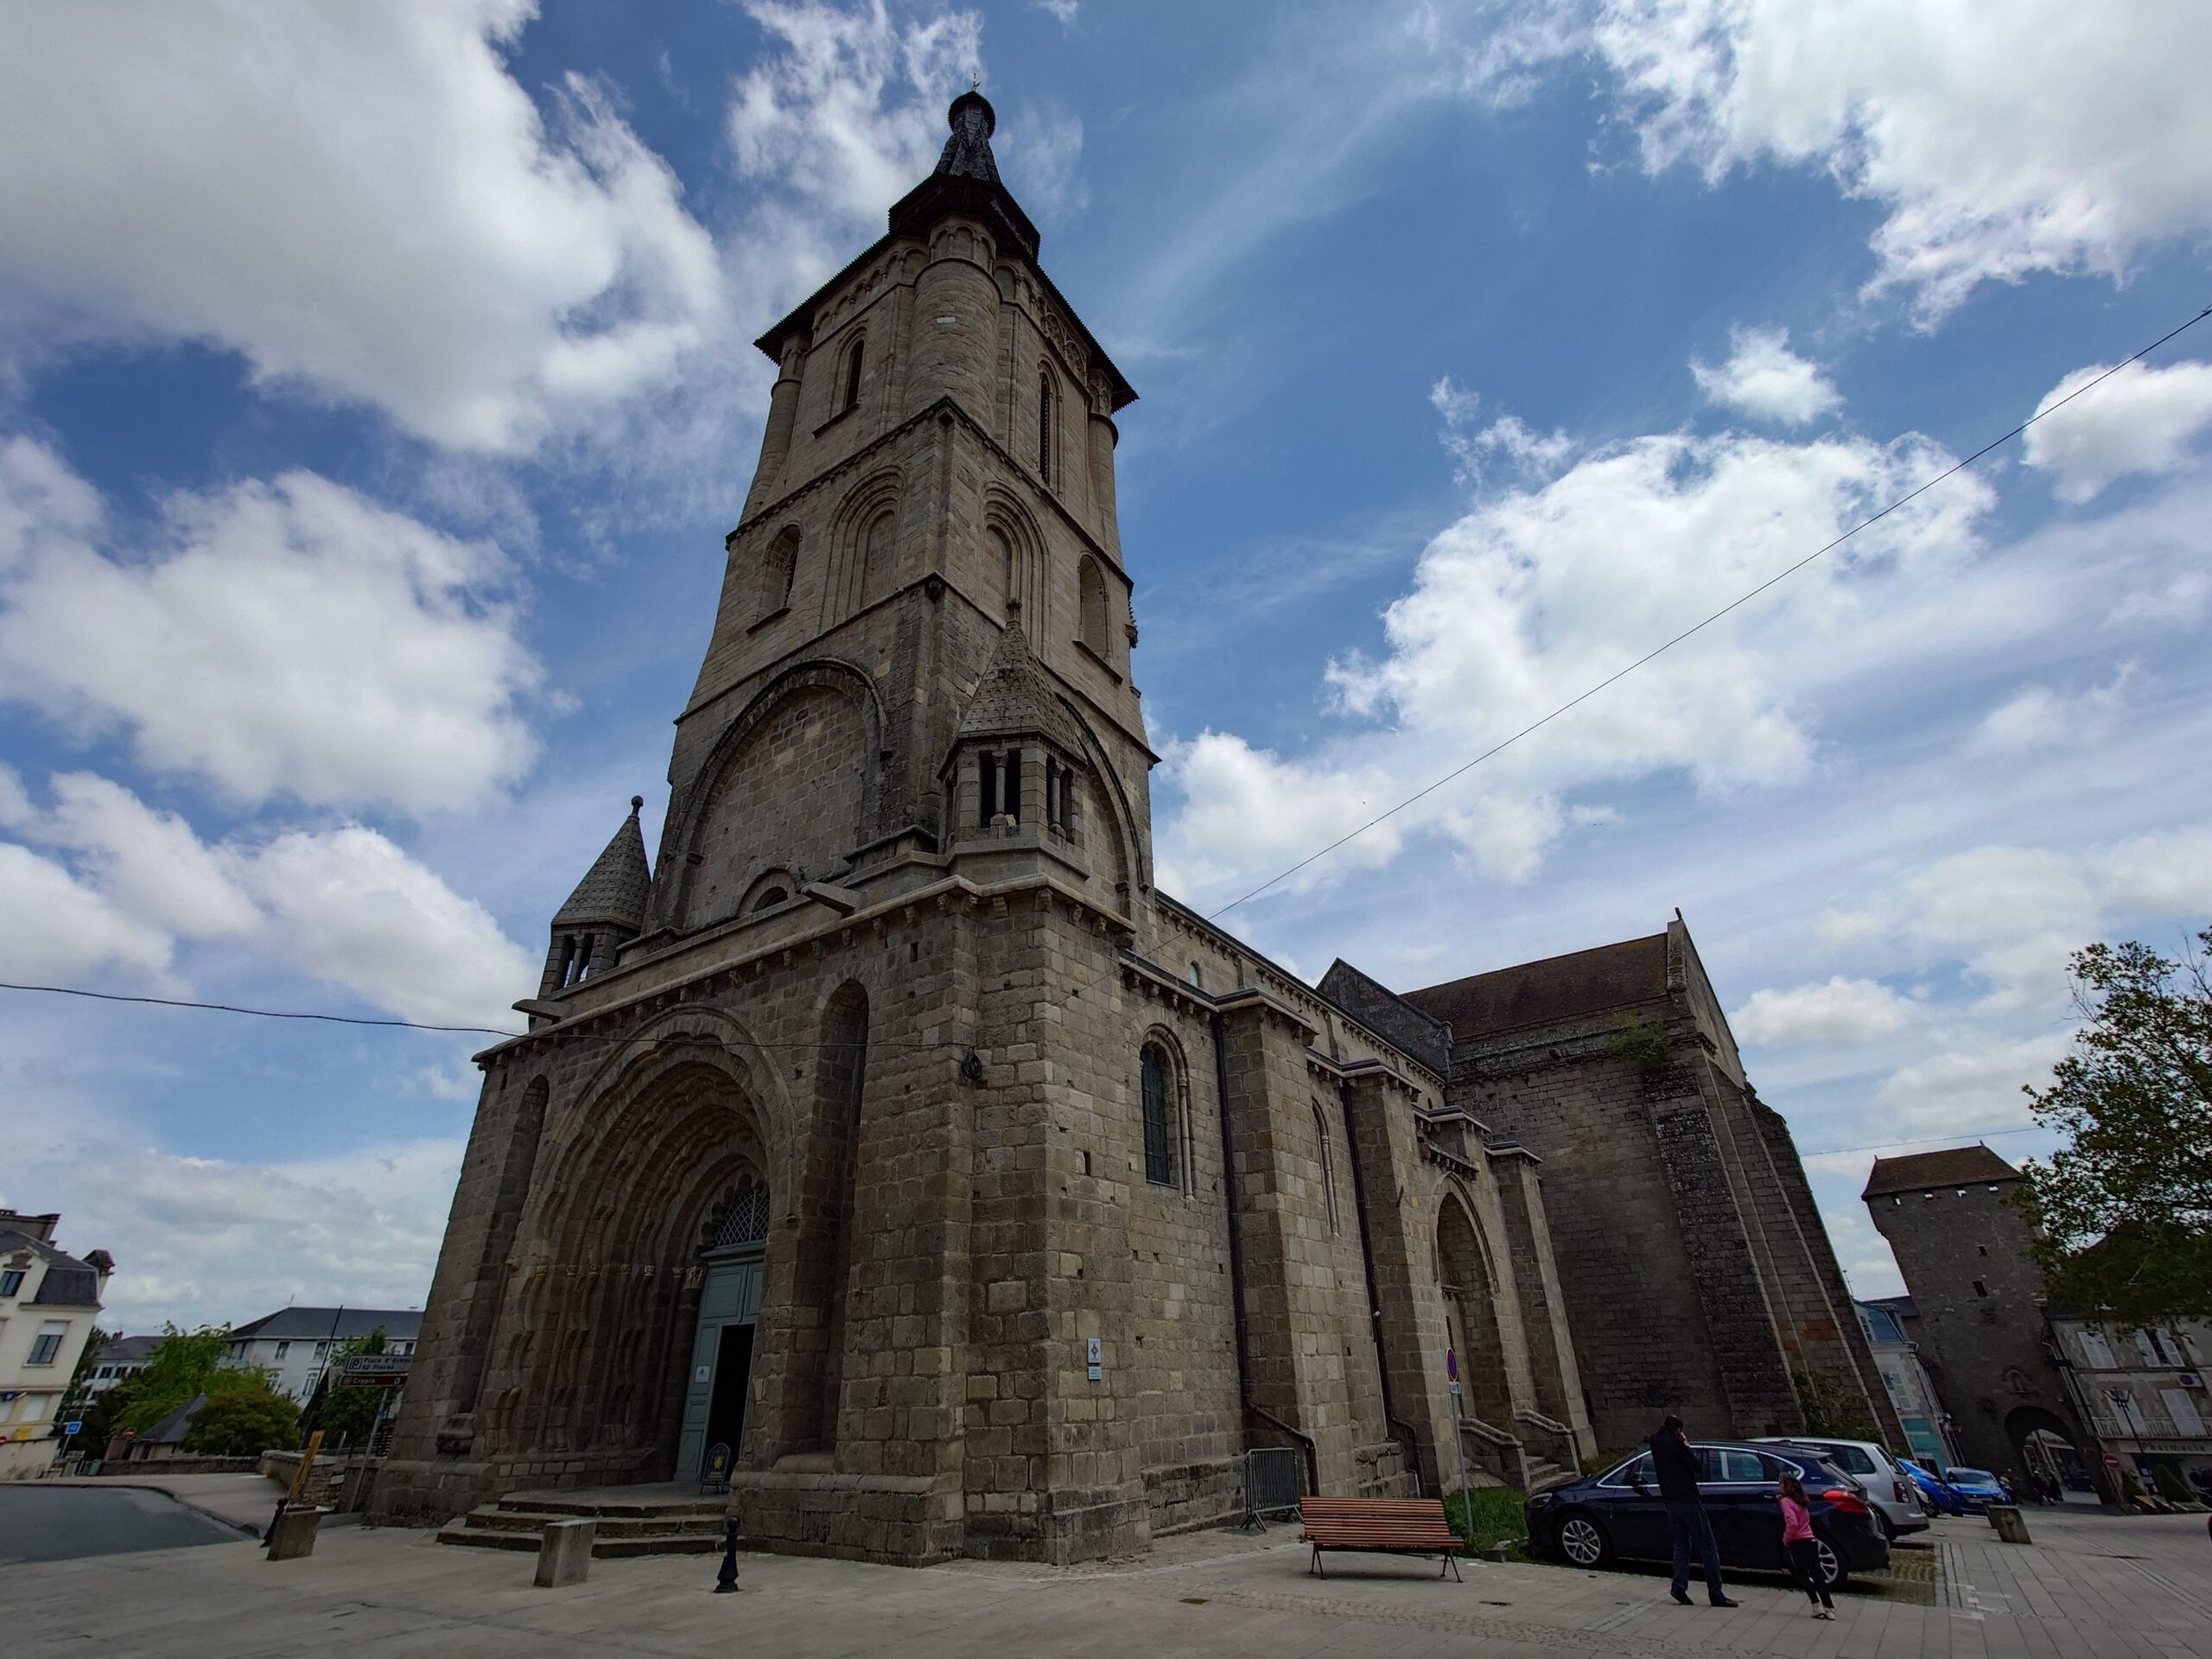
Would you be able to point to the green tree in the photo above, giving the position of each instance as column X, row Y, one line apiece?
column 347, row 1415
column 185, row 1363
column 2124, row 1207
column 242, row 1418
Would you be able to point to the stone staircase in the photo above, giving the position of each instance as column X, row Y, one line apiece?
column 653, row 1521
column 1543, row 1475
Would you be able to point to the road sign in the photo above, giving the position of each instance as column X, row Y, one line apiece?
column 76, row 1428
column 2111, row 1461
column 1452, row 1363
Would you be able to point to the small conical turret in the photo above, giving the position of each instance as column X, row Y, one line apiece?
column 1014, row 698
column 606, row 910
column 967, row 152
column 966, row 180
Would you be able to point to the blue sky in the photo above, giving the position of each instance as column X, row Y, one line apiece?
column 376, row 389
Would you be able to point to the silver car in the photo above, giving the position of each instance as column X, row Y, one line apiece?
column 1888, row 1488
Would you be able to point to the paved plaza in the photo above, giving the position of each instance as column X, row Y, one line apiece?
column 2092, row 1585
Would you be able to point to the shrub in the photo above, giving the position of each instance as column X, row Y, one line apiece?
column 243, row 1421
column 1487, row 1514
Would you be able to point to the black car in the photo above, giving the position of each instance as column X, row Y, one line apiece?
column 1599, row 1518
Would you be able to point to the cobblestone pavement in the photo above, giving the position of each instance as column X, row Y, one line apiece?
column 2091, row 1585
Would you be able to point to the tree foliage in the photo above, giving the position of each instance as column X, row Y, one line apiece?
column 242, row 1418
column 2125, row 1205
column 185, row 1363
column 1832, row 1406
column 347, row 1416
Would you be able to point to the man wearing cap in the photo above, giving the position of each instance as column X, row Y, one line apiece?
column 1675, row 1462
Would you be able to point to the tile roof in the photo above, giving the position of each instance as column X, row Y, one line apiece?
column 1013, row 695
column 66, row 1282
column 295, row 1323
column 616, row 888
column 1918, row 1172
column 1559, row 987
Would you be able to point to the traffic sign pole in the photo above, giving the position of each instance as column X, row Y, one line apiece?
column 1458, row 1440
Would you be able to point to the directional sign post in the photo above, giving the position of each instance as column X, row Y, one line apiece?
column 1458, row 1440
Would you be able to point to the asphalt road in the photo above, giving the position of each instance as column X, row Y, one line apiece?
column 61, row 1523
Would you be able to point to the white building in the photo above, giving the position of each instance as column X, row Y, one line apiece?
column 49, row 1302
column 1897, row 1356
column 292, row 1345
column 124, row 1356
column 2142, row 1394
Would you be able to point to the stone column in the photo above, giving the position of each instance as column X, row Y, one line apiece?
column 783, row 417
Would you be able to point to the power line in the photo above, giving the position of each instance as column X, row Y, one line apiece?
column 416, row 1024
column 1741, row 600
column 1924, row 1140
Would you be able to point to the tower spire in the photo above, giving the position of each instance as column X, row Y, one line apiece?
column 967, row 152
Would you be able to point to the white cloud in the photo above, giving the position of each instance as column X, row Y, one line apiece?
column 2142, row 420
column 1062, row 11
column 2160, row 875
column 60, row 929
column 345, row 904
column 1245, row 811
column 2041, row 718
column 1965, row 1091
column 2012, row 913
column 291, row 637
column 2000, row 140
column 1839, row 1014
column 209, row 1240
column 1764, row 378
column 1528, row 452
column 349, row 907
column 361, row 201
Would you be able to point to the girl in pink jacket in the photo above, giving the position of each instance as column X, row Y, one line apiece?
column 1797, row 1543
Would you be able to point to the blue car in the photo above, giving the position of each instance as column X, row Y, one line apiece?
column 1618, row 1515
column 1977, row 1488
column 1934, row 1491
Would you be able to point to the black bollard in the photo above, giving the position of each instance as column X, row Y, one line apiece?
column 268, row 1534
column 725, row 1580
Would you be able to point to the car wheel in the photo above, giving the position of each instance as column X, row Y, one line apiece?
column 1828, row 1563
column 1583, row 1541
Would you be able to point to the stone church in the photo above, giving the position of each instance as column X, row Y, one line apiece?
column 894, row 1131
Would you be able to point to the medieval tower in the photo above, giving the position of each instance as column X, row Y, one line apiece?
column 892, row 1130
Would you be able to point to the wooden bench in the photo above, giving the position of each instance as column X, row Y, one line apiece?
column 1384, row 1526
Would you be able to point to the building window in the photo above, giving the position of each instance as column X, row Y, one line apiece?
column 47, row 1343
column 777, row 568
column 1090, row 594
column 769, row 900
column 283, row 1349
column 1158, row 1119
column 852, row 373
column 1328, row 1164
column 1980, row 1288
column 1983, row 1249
column 1045, row 425
column 11, row 1282
column 2096, row 1349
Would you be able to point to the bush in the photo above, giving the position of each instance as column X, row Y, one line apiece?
column 1488, row 1515
column 244, row 1421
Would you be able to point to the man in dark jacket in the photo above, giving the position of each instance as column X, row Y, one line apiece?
column 1675, row 1462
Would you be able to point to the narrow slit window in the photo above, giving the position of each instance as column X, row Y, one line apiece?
column 1159, row 1120
column 987, row 796
column 1045, row 426
column 852, row 373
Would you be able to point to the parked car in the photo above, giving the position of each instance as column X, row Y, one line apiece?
column 1977, row 1488
column 1618, row 1515
column 1935, row 1492
column 1888, row 1488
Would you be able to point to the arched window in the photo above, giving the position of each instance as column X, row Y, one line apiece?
column 1157, row 1076
column 1044, row 457
column 1091, row 587
column 853, row 355
column 769, row 900
column 879, row 553
column 1328, row 1163
column 778, row 566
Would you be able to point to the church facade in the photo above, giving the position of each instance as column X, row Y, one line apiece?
column 891, row 1129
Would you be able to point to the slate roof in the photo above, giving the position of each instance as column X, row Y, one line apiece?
column 128, row 1350
column 617, row 886
column 1014, row 696
column 315, row 1324
column 1559, row 987
column 172, row 1429
column 66, row 1282
column 1376, row 1006
column 1919, row 1171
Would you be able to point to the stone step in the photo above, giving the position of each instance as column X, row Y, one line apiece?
column 512, row 1531
column 572, row 1504
column 489, row 1520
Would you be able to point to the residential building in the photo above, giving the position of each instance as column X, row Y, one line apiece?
column 292, row 1346
column 1888, row 1322
column 49, row 1306
column 124, row 1356
column 2142, row 1393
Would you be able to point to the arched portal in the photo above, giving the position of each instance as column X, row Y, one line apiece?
column 2043, row 1449
column 1471, row 1315
column 600, row 1366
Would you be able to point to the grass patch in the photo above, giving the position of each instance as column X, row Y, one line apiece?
column 1487, row 1515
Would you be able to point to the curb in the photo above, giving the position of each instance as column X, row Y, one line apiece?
column 110, row 1484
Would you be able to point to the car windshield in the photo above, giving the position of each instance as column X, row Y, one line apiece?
column 1972, row 1476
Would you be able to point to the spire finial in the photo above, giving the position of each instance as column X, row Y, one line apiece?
column 637, row 804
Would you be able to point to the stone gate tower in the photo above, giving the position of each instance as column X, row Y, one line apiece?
column 893, row 1130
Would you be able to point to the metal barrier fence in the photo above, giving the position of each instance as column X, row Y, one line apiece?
column 1273, row 1477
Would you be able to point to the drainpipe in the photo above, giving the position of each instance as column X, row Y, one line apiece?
column 1401, row 1431
column 1236, row 1268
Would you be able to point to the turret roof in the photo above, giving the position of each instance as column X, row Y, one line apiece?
column 616, row 888
column 1013, row 695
